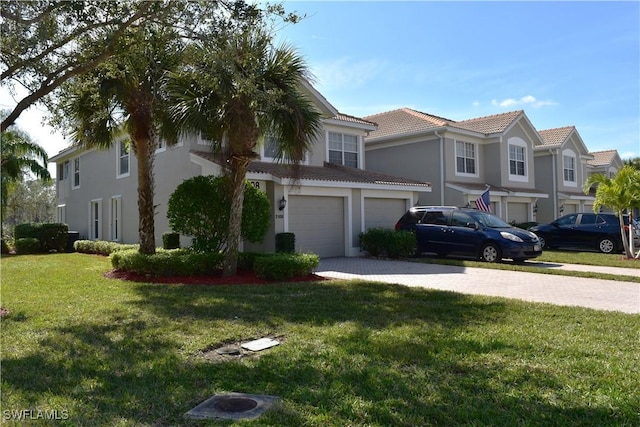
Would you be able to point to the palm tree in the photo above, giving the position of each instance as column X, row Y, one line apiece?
column 123, row 95
column 619, row 193
column 241, row 89
column 20, row 155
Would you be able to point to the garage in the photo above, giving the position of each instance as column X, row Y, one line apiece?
column 383, row 212
column 318, row 224
column 518, row 212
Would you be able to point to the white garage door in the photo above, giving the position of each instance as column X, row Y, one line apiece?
column 383, row 212
column 518, row 212
column 318, row 224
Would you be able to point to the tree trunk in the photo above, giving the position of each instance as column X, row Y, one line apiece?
column 146, row 211
column 239, row 167
column 627, row 252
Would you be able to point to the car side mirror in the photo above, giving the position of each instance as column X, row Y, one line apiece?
column 473, row 225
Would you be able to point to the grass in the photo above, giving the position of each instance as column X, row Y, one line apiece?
column 109, row 352
column 555, row 257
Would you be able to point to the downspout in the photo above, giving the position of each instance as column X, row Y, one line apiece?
column 441, row 167
column 554, row 185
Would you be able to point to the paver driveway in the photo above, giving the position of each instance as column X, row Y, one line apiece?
column 561, row 290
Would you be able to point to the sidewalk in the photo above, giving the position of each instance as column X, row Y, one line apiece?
column 598, row 294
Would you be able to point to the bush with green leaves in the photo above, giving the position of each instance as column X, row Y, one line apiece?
column 100, row 247
column 28, row 245
column 286, row 242
column 51, row 236
column 170, row 240
column 174, row 262
column 200, row 207
column 284, row 266
column 379, row 242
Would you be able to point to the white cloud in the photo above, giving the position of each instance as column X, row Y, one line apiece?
column 346, row 73
column 527, row 100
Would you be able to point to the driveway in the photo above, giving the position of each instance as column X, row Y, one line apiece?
column 554, row 289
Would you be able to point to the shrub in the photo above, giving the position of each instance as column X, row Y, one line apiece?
column 380, row 242
column 286, row 242
column 175, row 262
column 170, row 240
column 100, row 247
column 373, row 241
column 200, row 207
column 51, row 236
column 524, row 225
column 27, row 245
column 283, row 266
column 246, row 260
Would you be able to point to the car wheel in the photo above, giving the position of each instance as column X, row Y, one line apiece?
column 606, row 245
column 490, row 253
column 543, row 243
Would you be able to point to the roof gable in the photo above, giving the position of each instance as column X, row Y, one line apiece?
column 488, row 125
column 605, row 158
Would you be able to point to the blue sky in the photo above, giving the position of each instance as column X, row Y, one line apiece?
column 563, row 63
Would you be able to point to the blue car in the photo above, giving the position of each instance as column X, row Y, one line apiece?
column 447, row 230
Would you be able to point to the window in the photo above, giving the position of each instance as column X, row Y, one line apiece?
column 569, row 169
column 343, row 149
column 76, row 173
column 465, row 158
column 63, row 171
column 270, row 147
column 162, row 146
column 95, row 219
column 517, row 157
column 123, row 159
column 115, row 213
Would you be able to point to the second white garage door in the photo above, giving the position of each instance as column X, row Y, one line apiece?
column 318, row 224
column 383, row 212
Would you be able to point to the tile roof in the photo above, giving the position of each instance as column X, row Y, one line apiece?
column 352, row 119
column 406, row 121
column 555, row 136
column 602, row 158
column 480, row 187
column 489, row 124
column 328, row 172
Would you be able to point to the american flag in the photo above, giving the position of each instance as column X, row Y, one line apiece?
column 484, row 202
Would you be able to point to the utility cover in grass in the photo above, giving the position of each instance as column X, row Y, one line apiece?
column 232, row 406
column 261, row 344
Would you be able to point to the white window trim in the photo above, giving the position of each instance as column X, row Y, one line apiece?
column 475, row 159
column 517, row 142
column 162, row 146
column 92, row 219
column 73, row 174
column 115, row 219
column 574, row 183
column 358, row 152
column 118, row 174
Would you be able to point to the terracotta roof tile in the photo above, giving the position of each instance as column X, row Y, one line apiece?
column 602, row 158
column 328, row 172
column 352, row 119
column 404, row 121
column 489, row 124
column 555, row 136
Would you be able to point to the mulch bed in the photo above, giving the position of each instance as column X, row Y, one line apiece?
column 241, row 278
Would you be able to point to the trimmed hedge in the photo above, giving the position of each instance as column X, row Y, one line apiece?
column 28, row 245
column 100, row 247
column 286, row 243
column 170, row 240
column 51, row 236
column 175, row 262
column 379, row 242
column 281, row 266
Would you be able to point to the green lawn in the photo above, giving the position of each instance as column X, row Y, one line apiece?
column 109, row 352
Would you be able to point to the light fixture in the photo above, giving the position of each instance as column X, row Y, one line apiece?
column 535, row 208
column 283, row 204
column 561, row 209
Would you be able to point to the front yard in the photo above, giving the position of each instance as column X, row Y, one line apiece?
column 98, row 351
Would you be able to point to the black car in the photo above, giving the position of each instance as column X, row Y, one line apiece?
column 446, row 230
column 582, row 230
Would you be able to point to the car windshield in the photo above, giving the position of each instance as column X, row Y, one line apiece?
column 488, row 220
